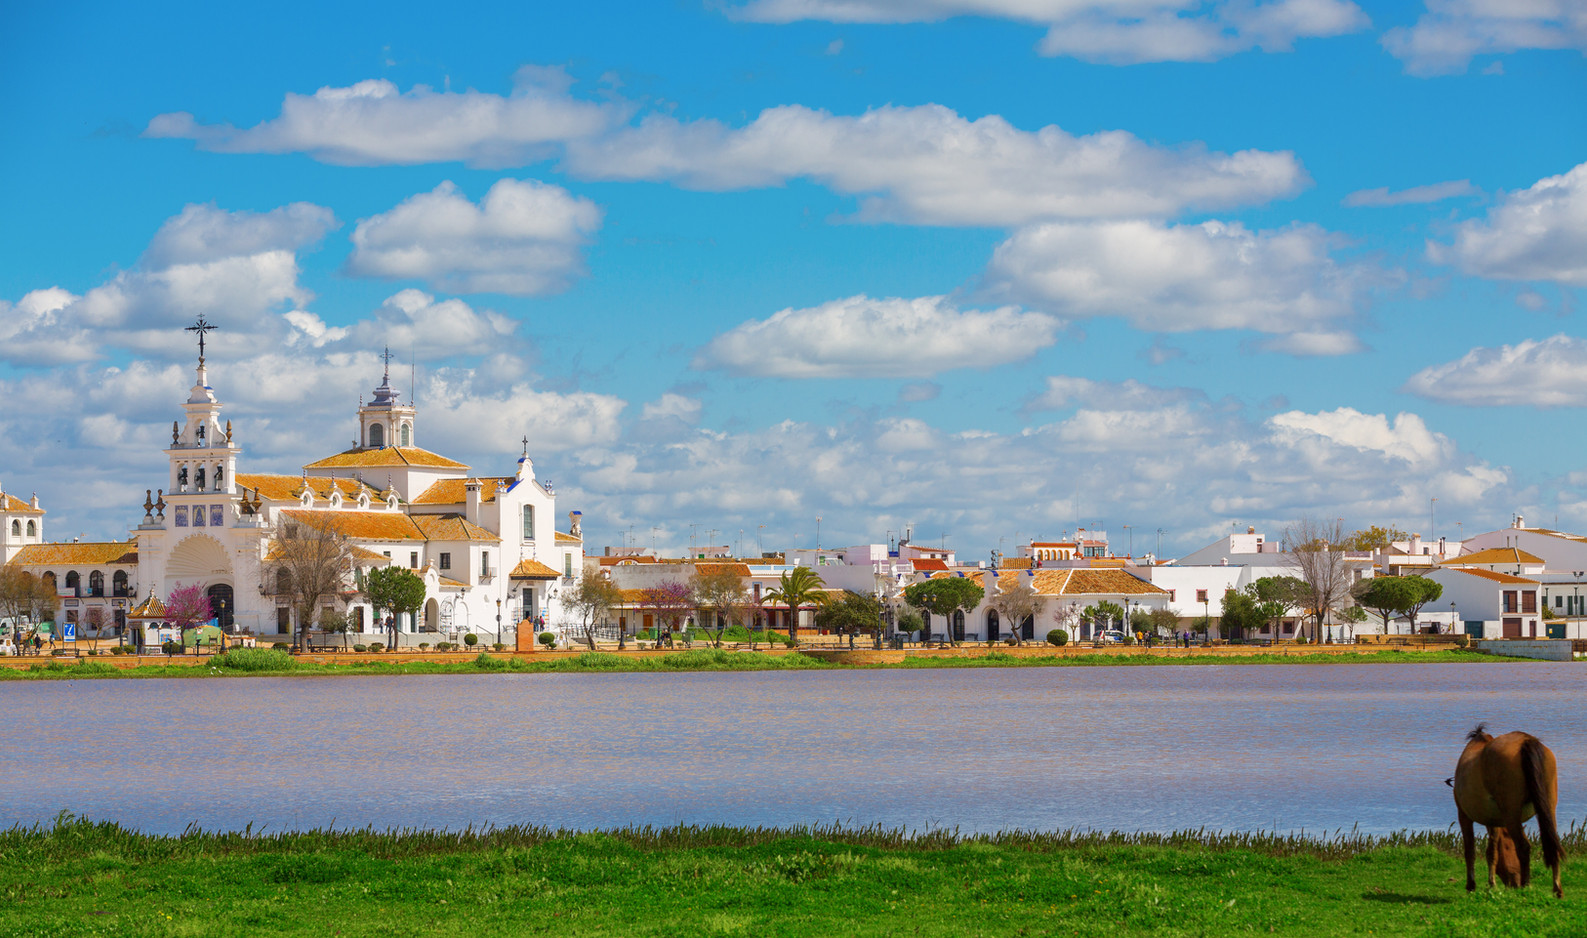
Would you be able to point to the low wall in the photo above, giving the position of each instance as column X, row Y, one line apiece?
column 1543, row 649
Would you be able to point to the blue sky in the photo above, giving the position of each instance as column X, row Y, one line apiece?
column 990, row 267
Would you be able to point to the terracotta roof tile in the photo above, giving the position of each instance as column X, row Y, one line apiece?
column 563, row 538
column 285, row 488
column 714, row 567
column 451, row 528
column 151, row 608
column 11, row 503
column 1496, row 555
column 1496, row 577
column 529, row 569
column 83, row 554
column 361, row 525
column 387, row 458
column 455, row 491
column 929, row 564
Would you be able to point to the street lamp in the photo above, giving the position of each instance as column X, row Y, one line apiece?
column 498, row 622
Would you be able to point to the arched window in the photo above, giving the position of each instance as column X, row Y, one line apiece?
column 74, row 582
column 32, row 529
column 407, row 434
column 118, row 583
column 377, row 435
column 96, row 584
column 49, row 579
column 220, row 476
column 16, row 529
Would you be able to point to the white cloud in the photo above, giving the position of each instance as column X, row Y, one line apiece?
column 1066, row 391
column 413, row 320
column 1118, row 31
column 1416, row 195
column 1451, row 32
column 1313, row 344
column 916, row 392
column 861, row 337
column 523, row 238
column 371, row 123
column 1177, row 278
column 929, row 165
column 1538, row 233
column 1547, row 373
column 678, row 406
column 1405, row 438
column 204, row 233
column 924, row 164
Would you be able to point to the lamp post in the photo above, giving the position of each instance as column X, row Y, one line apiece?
column 498, row 622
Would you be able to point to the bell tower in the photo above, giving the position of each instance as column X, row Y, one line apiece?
column 385, row 420
column 203, row 458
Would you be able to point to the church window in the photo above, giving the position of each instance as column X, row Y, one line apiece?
column 181, row 516
column 16, row 529
column 407, row 435
column 32, row 529
column 74, row 582
column 446, row 561
column 377, row 435
column 118, row 583
column 217, row 516
column 528, row 522
column 96, row 584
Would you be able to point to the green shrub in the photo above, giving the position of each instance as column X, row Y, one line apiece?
column 498, row 646
column 483, row 660
column 424, row 646
column 360, row 648
column 281, row 646
column 471, row 639
column 171, row 648
column 1058, row 638
column 547, row 639
column 736, row 633
column 1129, row 639
column 256, row 659
column 94, row 667
column 377, row 646
column 119, row 650
column 1300, row 639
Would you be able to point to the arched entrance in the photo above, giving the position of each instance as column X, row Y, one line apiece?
column 222, row 605
column 1027, row 629
column 958, row 625
column 994, row 628
column 432, row 616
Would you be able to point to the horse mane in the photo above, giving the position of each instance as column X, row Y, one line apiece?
column 1479, row 734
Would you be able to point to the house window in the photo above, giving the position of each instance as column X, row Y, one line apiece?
column 413, row 559
column 1559, row 601
column 1172, row 594
column 484, row 562
column 1201, row 596
column 73, row 582
column 1529, row 601
column 387, row 553
column 567, row 564
column 1509, row 600
column 16, row 529
column 446, row 561
column 528, row 522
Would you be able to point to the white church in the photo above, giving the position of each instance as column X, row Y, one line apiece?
column 486, row 547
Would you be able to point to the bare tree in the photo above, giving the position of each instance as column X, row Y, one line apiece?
column 308, row 562
column 592, row 599
column 1017, row 602
column 1317, row 557
column 719, row 598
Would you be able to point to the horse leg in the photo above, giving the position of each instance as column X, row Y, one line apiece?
column 1523, row 850
column 1468, row 843
column 1492, row 853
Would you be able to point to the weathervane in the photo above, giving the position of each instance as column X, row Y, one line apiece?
column 201, row 327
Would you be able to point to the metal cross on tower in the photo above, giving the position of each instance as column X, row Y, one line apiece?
column 387, row 357
column 201, row 327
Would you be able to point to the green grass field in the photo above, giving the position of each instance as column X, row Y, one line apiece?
column 263, row 661
column 78, row 878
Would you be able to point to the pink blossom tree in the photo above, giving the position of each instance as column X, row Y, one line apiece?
column 187, row 607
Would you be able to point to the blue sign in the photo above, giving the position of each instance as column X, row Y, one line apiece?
column 69, row 632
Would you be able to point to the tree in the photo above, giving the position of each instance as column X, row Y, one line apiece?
column 909, row 620
column 393, row 590
column 945, row 595
column 94, row 620
column 1318, row 559
column 308, row 562
column 1017, row 602
column 852, row 614
column 1104, row 611
column 1373, row 538
column 17, row 589
column 592, row 599
column 719, row 598
column 1241, row 611
column 796, row 588
column 333, row 621
column 670, row 601
column 1394, row 596
column 1162, row 621
column 186, row 608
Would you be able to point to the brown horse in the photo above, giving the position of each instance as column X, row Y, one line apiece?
column 1499, row 783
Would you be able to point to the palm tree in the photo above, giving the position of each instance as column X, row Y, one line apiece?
column 800, row 586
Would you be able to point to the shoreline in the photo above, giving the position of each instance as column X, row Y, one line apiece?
column 604, row 662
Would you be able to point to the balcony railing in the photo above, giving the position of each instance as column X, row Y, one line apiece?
column 486, row 575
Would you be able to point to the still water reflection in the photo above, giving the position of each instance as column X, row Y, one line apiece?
column 1241, row 747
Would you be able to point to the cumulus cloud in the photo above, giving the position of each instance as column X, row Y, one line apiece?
column 205, row 233
column 1538, row 233
column 1416, row 195
column 1116, row 31
column 523, row 238
column 413, row 320
column 676, row 406
column 929, row 165
column 1177, row 278
column 1313, row 344
column 924, row 164
column 862, row 337
column 1067, row 391
column 1446, row 38
column 1405, row 438
column 371, row 123
column 1547, row 373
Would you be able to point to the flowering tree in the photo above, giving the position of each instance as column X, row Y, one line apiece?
column 671, row 602
column 186, row 608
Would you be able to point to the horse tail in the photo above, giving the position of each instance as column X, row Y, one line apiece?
column 1540, row 790
column 1478, row 735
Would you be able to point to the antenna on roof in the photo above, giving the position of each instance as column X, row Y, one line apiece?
column 413, row 377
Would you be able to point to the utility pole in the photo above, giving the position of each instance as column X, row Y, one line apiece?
column 1432, row 528
column 818, row 532
column 760, row 546
column 1131, row 534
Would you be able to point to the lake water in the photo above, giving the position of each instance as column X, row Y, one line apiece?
column 1160, row 748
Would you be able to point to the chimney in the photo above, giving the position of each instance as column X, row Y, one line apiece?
column 471, row 501
column 1520, row 521
column 1250, row 529
column 1416, row 544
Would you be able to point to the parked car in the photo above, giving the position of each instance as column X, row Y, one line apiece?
column 1110, row 637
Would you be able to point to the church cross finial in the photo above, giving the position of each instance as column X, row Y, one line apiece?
column 201, row 327
column 526, row 445
column 387, row 357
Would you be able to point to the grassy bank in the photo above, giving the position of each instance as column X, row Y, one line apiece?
column 262, row 661
column 80, row 878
